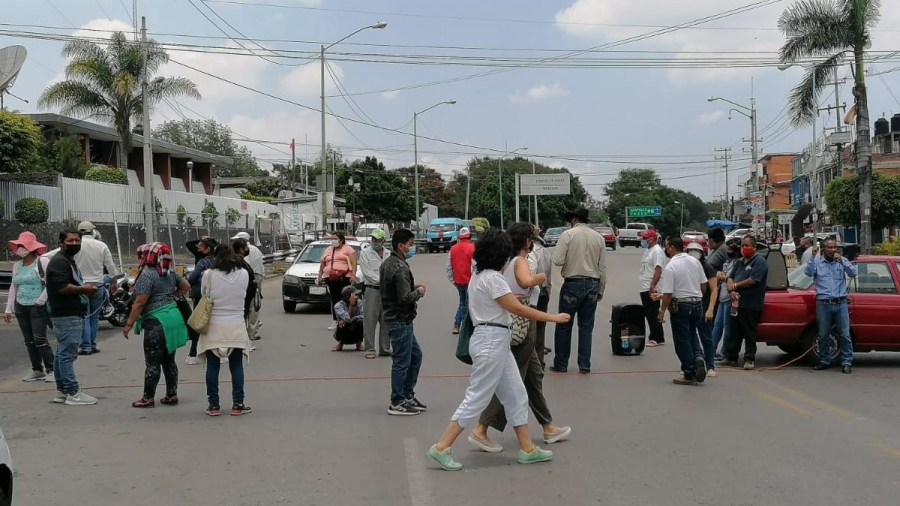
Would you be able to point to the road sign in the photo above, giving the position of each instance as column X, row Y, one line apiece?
column 644, row 211
column 784, row 219
column 545, row 184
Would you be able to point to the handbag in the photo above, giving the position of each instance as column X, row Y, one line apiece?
column 200, row 317
column 335, row 275
column 465, row 334
column 518, row 325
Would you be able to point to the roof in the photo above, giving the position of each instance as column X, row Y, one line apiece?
column 105, row 133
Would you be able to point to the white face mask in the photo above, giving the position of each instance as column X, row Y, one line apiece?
column 21, row 252
column 696, row 254
column 335, row 243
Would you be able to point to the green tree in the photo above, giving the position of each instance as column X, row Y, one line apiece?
column 232, row 215
column 64, row 155
column 264, row 187
column 180, row 214
column 385, row 195
column 832, row 29
column 642, row 187
column 842, row 198
column 432, row 190
column 212, row 137
column 104, row 82
column 210, row 215
column 20, row 143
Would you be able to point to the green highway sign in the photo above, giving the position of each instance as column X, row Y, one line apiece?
column 644, row 211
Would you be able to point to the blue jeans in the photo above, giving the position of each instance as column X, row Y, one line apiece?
column 685, row 325
column 235, row 365
column 407, row 360
column 704, row 330
column 92, row 321
column 721, row 326
column 834, row 318
column 463, row 301
column 68, row 330
column 577, row 297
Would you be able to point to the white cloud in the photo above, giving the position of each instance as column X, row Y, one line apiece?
column 539, row 93
column 306, row 81
column 390, row 95
column 709, row 118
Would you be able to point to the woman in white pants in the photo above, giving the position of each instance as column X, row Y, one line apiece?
column 494, row 369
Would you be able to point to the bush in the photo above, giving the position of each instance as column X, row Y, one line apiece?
column 890, row 247
column 257, row 198
column 32, row 210
column 107, row 175
column 481, row 224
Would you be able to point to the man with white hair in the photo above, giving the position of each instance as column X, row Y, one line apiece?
column 257, row 263
column 91, row 260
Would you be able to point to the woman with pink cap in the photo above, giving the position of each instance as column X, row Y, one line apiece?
column 27, row 300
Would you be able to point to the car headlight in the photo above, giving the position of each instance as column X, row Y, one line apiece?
column 291, row 280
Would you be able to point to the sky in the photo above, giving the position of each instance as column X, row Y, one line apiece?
column 594, row 121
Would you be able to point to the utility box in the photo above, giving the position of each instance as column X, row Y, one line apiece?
column 628, row 336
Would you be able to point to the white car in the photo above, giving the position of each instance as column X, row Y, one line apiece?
column 299, row 282
column 6, row 473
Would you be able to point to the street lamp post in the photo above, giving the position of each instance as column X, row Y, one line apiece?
column 416, row 155
column 377, row 26
column 681, row 228
column 749, row 112
column 814, row 178
column 500, row 174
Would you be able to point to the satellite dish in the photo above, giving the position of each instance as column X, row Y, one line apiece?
column 11, row 60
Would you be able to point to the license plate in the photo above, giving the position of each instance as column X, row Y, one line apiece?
column 317, row 290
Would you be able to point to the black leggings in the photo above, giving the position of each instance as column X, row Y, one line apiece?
column 156, row 357
column 334, row 290
column 193, row 335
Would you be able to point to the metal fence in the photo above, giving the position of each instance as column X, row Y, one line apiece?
column 12, row 192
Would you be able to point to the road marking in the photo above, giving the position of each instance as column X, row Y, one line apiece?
column 781, row 402
column 890, row 450
column 820, row 404
column 415, row 474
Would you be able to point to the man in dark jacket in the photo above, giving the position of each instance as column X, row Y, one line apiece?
column 399, row 295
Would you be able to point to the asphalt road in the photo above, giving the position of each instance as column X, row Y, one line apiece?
column 319, row 433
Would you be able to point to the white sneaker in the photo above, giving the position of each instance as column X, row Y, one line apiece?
column 34, row 376
column 80, row 399
column 332, row 327
column 191, row 361
column 59, row 398
column 711, row 373
column 252, row 348
column 51, row 378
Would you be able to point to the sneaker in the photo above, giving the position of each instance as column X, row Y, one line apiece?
column 444, row 459
column 51, row 378
column 485, row 444
column 332, row 327
column 80, row 399
column 455, row 328
column 726, row 362
column 560, row 434
column 684, row 381
column 252, row 348
column 213, row 410
column 144, row 403
column 84, row 352
column 59, row 398
column 711, row 373
column 749, row 365
column 191, row 361
column 34, row 376
column 415, row 403
column 536, row 456
column 169, row 400
column 652, row 344
column 700, row 366
column 240, row 409
column 402, row 408
column 95, row 350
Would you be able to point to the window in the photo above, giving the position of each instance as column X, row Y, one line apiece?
column 445, row 227
column 874, row 277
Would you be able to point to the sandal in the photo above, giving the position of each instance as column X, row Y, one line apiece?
column 360, row 347
column 337, row 347
column 144, row 403
column 371, row 354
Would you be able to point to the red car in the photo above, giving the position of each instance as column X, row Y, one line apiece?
column 609, row 235
column 789, row 314
column 697, row 237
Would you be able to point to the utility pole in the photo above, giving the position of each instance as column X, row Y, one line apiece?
column 726, row 154
column 149, row 202
column 535, row 200
column 293, row 167
column 416, row 172
column 468, row 186
column 322, row 191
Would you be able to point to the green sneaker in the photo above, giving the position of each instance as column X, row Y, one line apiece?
column 444, row 459
column 536, row 456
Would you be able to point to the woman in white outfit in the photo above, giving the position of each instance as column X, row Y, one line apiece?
column 226, row 284
column 494, row 369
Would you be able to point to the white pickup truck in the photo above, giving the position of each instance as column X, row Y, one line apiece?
column 631, row 234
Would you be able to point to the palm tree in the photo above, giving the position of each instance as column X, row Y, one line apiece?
column 830, row 29
column 105, row 83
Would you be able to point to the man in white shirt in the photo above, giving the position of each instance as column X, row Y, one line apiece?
column 256, row 262
column 93, row 258
column 681, row 286
column 652, row 264
column 370, row 260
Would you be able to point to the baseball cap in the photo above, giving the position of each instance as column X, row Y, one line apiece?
column 465, row 232
column 85, row 227
column 378, row 234
column 241, row 235
column 647, row 234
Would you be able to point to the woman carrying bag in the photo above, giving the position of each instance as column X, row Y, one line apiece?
column 156, row 314
column 337, row 269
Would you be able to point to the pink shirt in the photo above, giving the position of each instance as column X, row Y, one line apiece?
column 341, row 259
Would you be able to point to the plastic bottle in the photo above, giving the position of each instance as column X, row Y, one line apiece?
column 626, row 340
column 734, row 306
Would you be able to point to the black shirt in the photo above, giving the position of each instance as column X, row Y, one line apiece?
column 756, row 267
column 710, row 272
column 398, row 291
column 61, row 272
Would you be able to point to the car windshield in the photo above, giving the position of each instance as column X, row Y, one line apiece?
column 798, row 280
column 555, row 231
column 603, row 230
column 444, row 227
column 694, row 236
column 636, row 227
column 312, row 254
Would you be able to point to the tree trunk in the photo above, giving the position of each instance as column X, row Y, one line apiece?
column 863, row 157
column 123, row 157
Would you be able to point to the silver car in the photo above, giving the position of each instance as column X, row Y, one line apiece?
column 6, row 473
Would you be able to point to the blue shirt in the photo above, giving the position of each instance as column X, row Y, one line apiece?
column 752, row 297
column 830, row 277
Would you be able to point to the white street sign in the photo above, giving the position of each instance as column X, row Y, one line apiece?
column 784, row 219
column 545, row 184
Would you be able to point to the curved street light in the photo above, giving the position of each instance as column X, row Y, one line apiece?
column 416, row 154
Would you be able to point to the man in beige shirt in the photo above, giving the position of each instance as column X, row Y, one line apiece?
column 581, row 254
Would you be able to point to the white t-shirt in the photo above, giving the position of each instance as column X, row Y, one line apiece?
column 682, row 277
column 484, row 290
column 653, row 258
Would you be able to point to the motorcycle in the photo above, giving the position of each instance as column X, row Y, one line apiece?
column 117, row 306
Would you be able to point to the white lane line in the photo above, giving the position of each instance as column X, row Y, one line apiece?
column 415, row 474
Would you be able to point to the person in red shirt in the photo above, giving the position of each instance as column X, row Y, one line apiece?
column 459, row 271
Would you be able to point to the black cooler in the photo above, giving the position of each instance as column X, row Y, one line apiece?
column 628, row 336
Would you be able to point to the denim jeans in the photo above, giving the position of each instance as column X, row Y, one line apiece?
column 68, row 330
column 463, row 301
column 685, row 324
column 92, row 321
column 704, row 331
column 235, row 365
column 721, row 326
column 577, row 297
column 33, row 321
column 834, row 318
column 407, row 360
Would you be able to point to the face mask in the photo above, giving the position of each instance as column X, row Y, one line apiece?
column 72, row 249
column 644, row 244
column 21, row 252
column 696, row 254
column 411, row 252
column 668, row 255
column 377, row 245
column 335, row 243
column 748, row 251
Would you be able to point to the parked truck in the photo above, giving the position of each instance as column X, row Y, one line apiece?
column 631, row 234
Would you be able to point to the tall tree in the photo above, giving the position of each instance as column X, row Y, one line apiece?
column 830, row 29
column 104, row 82
column 20, row 143
column 212, row 137
column 384, row 195
column 432, row 190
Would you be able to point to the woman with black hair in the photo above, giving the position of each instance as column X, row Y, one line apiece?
column 350, row 320
column 494, row 368
column 203, row 250
column 337, row 269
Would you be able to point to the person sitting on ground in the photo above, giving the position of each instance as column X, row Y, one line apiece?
column 349, row 312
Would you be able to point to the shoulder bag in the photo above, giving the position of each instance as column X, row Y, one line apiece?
column 335, row 275
column 202, row 314
column 519, row 324
column 465, row 334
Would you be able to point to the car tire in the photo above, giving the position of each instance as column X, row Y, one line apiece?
column 810, row 339
column 622, row 243
column 289, row 306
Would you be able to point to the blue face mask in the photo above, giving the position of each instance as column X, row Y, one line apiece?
column 411, row 253
column 644, row 243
